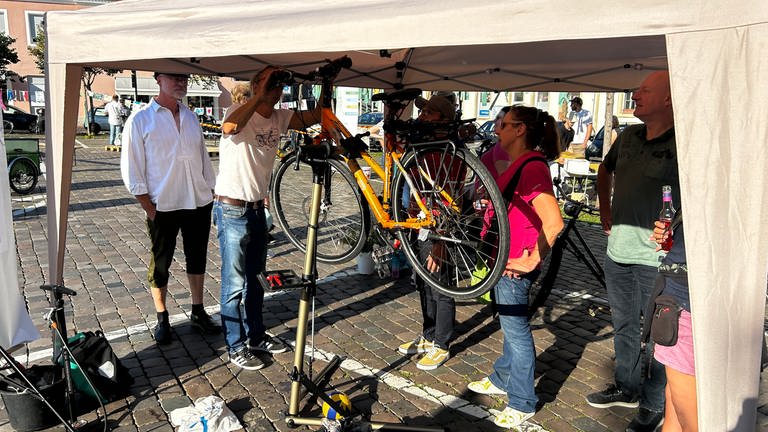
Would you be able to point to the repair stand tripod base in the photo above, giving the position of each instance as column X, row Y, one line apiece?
column 300, row 383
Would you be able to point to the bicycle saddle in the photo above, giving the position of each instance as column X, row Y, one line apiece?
column 398, row 96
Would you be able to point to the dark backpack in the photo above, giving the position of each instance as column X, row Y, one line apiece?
column 97, row 359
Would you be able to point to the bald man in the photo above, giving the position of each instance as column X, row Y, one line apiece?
column 643, row 159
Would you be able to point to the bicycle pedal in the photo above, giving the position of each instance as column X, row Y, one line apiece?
column 280, row 280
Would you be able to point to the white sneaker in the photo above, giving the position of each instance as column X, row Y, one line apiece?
column 511, row 417
column 485, row 386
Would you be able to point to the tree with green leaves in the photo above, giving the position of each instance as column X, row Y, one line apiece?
column 89, row 75
column 8, row 55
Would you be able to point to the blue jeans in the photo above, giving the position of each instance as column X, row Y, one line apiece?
column 114, row 131
column 242, row 235
column 629, row 287
column 513, row 371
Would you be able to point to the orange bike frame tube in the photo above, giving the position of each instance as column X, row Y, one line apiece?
column 331, row 124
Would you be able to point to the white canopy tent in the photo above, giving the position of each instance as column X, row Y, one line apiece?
column 716, row 54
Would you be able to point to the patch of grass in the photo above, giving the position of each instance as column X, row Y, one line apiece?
column 583, row 217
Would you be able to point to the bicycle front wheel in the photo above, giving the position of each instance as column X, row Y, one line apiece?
column 469, row 241
column 344, row 221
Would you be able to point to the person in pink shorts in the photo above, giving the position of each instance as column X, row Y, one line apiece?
column 681, row 412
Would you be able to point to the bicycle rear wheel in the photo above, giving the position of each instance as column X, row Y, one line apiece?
column 459, row 192
column 344, row 221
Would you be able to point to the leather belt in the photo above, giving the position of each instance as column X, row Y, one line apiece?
column 239, row 203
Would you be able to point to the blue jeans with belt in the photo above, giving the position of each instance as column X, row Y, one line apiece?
column 242, row 234
column 629, row 287
column 513, row 371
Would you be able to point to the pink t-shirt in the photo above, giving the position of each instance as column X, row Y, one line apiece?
column 524, row 223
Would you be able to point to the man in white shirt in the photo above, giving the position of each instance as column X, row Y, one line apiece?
column 580, row 121
column 250, row 136
column 165, row 165
column 115, row 113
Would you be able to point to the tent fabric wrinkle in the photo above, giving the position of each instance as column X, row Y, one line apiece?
column 715, row 53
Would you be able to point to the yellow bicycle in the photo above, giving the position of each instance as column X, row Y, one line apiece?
column 435, row 195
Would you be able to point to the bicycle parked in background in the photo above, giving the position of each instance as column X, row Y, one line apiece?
column 434, row 191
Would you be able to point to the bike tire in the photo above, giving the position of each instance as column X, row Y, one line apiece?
column 344, row 221
column 465, row 178
column 22, row 174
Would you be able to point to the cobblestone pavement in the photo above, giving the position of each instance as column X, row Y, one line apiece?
column 361, row 318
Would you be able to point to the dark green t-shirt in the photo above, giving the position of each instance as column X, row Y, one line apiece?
column 640, row 167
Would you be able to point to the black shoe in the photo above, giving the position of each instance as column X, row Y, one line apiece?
column 270, row 344
column 271, row 240
column 204, row 323
column 611, row 397
column 246, row 359
column 645, row 421
column 163, row 333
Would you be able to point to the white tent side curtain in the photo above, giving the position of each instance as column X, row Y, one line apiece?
column 716, row 56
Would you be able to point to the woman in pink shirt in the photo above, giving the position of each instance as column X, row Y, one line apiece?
column 535, row 221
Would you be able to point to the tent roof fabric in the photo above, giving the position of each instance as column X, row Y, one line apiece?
column 715, row 53
column 557, row 47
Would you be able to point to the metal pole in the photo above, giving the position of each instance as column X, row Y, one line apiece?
column 134, row 83
column 306, row 297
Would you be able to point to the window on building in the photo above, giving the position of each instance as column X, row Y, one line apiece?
column 517, row 97
column 542, row 100
column 34, row 21
column 629, row 104
column 4, row 21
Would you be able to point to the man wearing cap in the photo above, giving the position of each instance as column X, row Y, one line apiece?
column 438, row 311
column 580, row 121
column 442, row 103
column 165, row 165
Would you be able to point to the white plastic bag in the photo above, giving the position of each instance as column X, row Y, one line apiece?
column 209, row 414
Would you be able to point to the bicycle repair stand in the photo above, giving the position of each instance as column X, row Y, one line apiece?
column 581, row 251
column 586, row 256
column 316, row 157
column 58, row 325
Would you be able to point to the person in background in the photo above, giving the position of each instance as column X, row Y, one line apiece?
column 165, row 165
column 639, row 164
column 579, row 121
column 535, row 222
column 250, row 136
column 595, row 148
column 438, row 311
column 681, row 413
column 115, row 113
column 241, row 93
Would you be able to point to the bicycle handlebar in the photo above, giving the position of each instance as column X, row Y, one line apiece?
column 327, row 71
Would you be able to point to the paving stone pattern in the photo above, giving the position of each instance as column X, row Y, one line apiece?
column 361, row 318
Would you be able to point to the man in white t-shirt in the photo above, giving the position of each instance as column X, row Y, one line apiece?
column 250, row 137
column 580, row 121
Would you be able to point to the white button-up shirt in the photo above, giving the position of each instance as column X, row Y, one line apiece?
column 170, row 164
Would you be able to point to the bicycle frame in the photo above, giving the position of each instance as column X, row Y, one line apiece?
column 332, row 128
